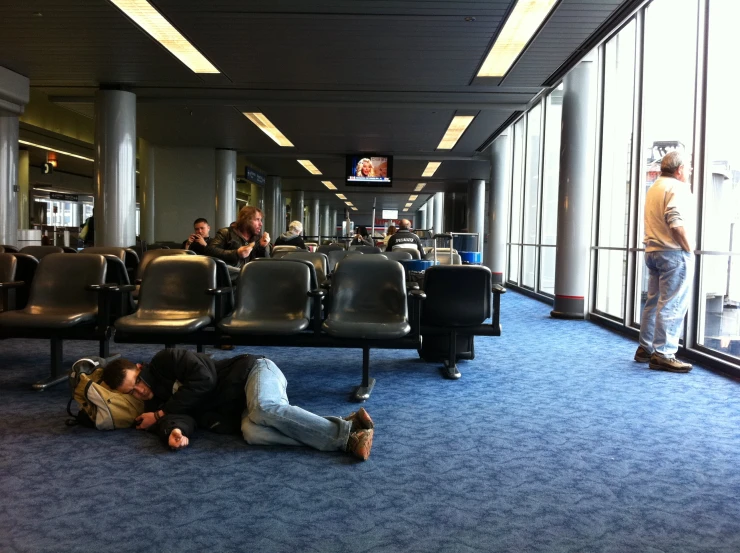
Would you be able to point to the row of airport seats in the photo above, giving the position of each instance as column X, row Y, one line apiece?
column 278, row 302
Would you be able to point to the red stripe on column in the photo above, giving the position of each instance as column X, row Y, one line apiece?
column 569, row 297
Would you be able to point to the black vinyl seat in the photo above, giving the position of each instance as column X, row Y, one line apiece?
column 7, row 248
column 40, row 251
column 326, row 248
column 64, row 304
column 458, row 302
column 411, row 249
column 273, row 298
column 25, row 271
column 147, row 258
column 176, row 301
column 365, row 249
column 401, row 255
column 335, row 256
column 280, row 251
column 320, row 262
column 8, row 283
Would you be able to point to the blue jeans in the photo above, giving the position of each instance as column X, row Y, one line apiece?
column 270, row 420
column 671, row 273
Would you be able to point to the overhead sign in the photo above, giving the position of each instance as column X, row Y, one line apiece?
column 257, row 177
column 47, row 168
column 63, row 197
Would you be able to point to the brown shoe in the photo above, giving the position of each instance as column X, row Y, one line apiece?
column 360, row 443
column 642, row 355
column 360, row 419
column 670, row 364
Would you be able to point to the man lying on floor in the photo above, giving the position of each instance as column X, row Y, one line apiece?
column 183, row 390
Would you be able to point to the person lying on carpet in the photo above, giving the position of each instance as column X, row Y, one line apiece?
column 183, row 390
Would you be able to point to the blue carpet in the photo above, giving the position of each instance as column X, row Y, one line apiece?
column 553, row 440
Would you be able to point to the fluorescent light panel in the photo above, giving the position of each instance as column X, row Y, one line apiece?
column 266, row 126
column 78, row 156
column 354, row 209
column 145, row 16
column 457, row 127
column 408, row 204
column 523, row 22
column 349, row 203
column 432, row 166
column 420, row 186
column 405, row 209
column 328, row 184
column 413, row 197
column 341, row 196
column 310, row 167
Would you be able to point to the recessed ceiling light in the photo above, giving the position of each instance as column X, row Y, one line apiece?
column 413, row 197
column 354, row 209
column 78, row 156
column 349, row 203
column 145, row 16
column 420, row 186
column 264, row 124
column 328, row 184
column 310, row 167
column 408, row 204
column 341, row 196
column 432, row 166
column 457, row 126
column 405, row 209
column 522, row 23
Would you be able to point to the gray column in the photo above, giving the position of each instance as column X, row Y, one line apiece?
column 439, row 212
column 147, row 160
column 422, row 218
column 14, row 95
column 333, row 222
column 430, row 214
column 313, row 220
column 23, row 190
column 255, row 196
column 114, row 172
column 574, row 193
column 325, row 225
column 296, row 206
column 495, row 253
column 272, row 209
column 476, row 209
column 225, row 188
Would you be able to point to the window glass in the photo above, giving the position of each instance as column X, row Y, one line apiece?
column 517, row 174
column 550, row 184
column 531, row 194
column 614, row 182
column 668, row 97
column 719, row 300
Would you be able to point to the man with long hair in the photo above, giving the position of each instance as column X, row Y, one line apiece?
column 243, row 240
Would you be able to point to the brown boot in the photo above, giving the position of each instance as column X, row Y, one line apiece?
column 360, row 443
column 360, row 419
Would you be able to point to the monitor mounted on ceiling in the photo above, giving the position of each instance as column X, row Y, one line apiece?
column 369, row 170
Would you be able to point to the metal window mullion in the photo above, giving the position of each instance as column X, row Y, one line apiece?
column 596, row 198
column 540, row 193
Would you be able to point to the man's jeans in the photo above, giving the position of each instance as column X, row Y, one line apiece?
column 270, row 420
column 671, row 274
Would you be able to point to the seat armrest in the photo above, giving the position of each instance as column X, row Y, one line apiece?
column 317, row 293
column 495, row 316
column 318, row 297
column 417, row 296
column 218, row 291
column 498, row 289
column 412, row 286
column 13, row 284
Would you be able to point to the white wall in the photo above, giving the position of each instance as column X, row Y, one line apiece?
column 184, row 189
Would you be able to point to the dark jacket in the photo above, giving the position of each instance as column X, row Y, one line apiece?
column 227, row 241
column 196, row 247
column 194, row 390
column 362, row 241
column 290, row 239
column 405, row 236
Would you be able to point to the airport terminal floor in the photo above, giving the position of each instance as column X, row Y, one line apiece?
column 554, row 439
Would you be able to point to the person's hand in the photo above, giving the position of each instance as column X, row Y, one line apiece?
column 265, row 239
column 198, row 238
column 145, row 420
column 177, row 440
column 244, row 251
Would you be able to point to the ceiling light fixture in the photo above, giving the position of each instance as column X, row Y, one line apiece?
column 328, row 184
column 408, row 204
column 78, row 156
column 354, row 209
column 266, row 126
column 432, row 166
column 420, row 186
column 310, row 167
column 341, row 196
column 413, row 197
column 405, row 209
column 148, row 18
column 520, row 27
column 350, row 204
column 457, row 127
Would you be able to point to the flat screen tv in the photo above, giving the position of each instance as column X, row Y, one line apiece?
column 369, row 170
column 389, row 214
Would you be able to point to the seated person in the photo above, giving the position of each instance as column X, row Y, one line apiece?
column 292, row 237
column 361, row 238
column 183, row 390
column 405, row 236
column 242, row 241
column 390, row 232
column 199, row 239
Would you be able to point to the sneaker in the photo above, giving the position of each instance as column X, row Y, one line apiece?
column 670, row 364
column 642, row 355
column 360, row 443
column 360, row 420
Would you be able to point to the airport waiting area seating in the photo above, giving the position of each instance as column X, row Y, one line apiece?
column 8, row 283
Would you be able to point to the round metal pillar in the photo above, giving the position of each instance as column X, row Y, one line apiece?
column 439, row 212
column 430, row 214
column 495, row 253
column 8, row 178
column 225, row 187
column 272, row 210
column 313, row 220
column 296, row 206
column 147, row 166
column 24, row 212
column 476, row 208
column 114, row 171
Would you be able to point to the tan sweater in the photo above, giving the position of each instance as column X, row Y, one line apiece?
column 668, row 204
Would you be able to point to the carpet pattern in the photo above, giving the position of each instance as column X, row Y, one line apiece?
column 554, row 440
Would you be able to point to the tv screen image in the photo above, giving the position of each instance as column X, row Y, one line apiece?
column 389, row 214
column 369, row 170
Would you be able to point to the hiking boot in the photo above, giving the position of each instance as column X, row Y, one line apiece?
column 360, row 443
column 360, row 420
column 642, row 355
column 670, row 364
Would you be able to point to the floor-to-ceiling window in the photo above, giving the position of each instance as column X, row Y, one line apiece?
column 531, row 196
column 719, row 291
column 517, row 177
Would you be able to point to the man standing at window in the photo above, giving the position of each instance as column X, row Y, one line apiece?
column 670, row 262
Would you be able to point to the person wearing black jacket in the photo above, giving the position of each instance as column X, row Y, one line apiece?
column 406, row 237
column 243, row 241
column 183, row 390
column 199, row 240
